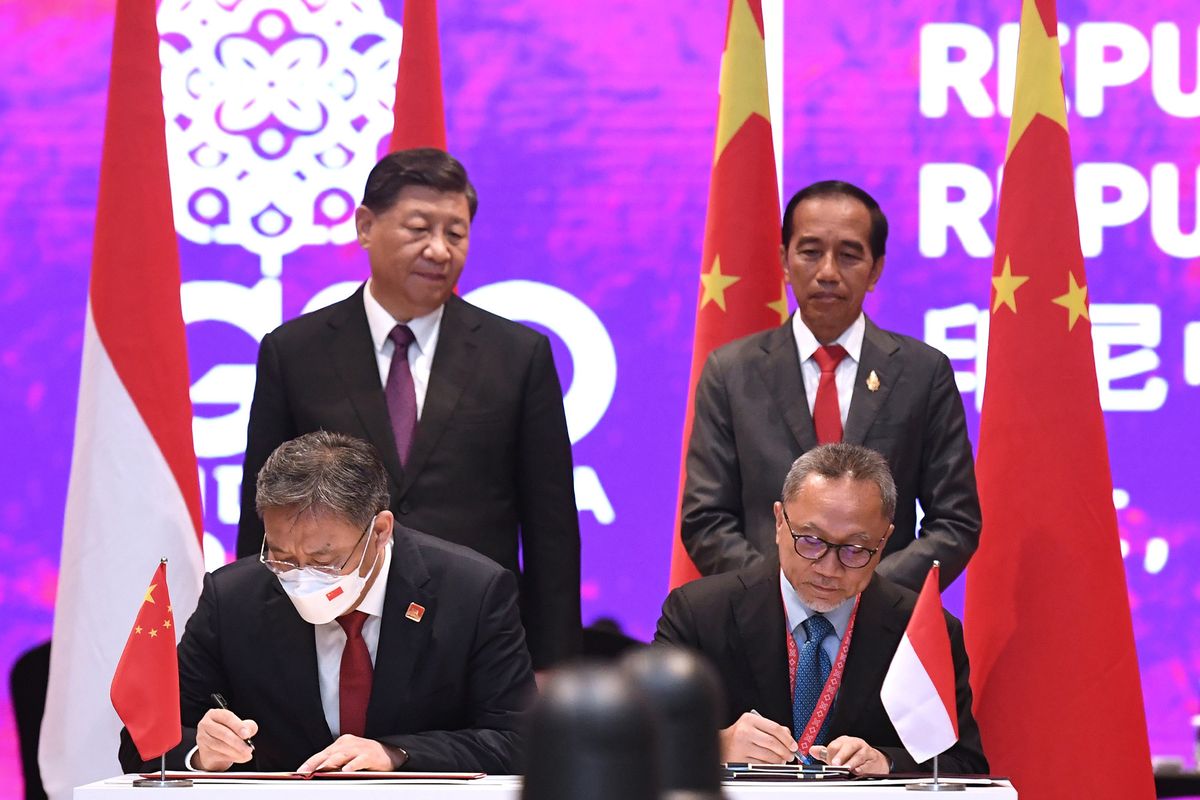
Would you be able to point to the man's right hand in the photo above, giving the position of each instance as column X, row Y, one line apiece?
column 757, row 740
column 219, row 740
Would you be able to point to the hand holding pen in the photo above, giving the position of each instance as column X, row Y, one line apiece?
column 223, row 739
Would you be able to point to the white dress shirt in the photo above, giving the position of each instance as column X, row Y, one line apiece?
column 797, row 612
column 420, row 352
column 331, row 640
column 846, row 372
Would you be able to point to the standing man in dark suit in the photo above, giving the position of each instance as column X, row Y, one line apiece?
column 350, row 642
column 469, row 420
column 829, row 375
column 818, row 630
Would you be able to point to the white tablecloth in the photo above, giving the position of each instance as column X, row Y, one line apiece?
column 498, row 787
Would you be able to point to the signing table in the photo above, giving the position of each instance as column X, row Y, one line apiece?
column 496, row 787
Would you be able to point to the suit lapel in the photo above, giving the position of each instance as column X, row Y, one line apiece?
column 758, row 615
column 292, row 643
column 877, row 630
column 352, row 353
column 877, row 351
column 402, row 641
column 779, row 367
column 453, row 367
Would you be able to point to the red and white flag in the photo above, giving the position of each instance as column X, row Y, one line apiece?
column 133, row 496
column 918, row 691
column 145, row 687
column 420, row 118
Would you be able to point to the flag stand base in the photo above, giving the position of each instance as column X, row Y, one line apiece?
column 159, row 783
column 162, row 782
column 936, row 785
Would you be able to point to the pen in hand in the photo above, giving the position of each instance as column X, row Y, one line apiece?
column 219, row 702
column 796, row 757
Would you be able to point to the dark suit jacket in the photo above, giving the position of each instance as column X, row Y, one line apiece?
column 490, row 464
column 752, row 421
column 450, row 689
column 737, row 621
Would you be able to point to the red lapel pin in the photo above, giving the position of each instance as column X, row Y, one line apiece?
column 415, row 612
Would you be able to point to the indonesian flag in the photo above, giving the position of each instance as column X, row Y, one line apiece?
column 918, row 690
column 420, row 117
column 741, row 281
column 145, row 687
column 133, row 496
column 1048, row 630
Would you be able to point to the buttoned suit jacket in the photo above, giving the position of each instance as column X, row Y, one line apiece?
column 752, row 421
column 736, row 620
column 490, row 462
column 450, row 688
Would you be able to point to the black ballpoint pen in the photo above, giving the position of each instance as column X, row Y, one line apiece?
column 220, row 703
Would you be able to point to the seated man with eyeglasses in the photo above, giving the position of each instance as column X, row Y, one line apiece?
column 350, row 643
column 802, row 646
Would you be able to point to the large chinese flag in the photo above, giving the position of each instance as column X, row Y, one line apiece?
column 741, row 280
column 145, row 686
column 133, row 495
column 1048, row 630
column 420, row 118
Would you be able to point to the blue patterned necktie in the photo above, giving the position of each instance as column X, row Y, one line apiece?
column 812, row 670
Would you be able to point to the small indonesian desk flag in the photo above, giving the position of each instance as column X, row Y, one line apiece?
column 145, row 687
column 918, row 691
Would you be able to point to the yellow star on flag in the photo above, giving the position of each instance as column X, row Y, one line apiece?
column 715, row 285
column 137, row 629
column 149, row 598
column 1039, row 77
column 153, row 632
column 780, row 306
column 1006, row 285
column 743, row 75
column 1075, row 301
column 166, row 623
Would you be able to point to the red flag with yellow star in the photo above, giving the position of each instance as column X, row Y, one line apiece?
column 145, row 687
column 741, row 282
column 1053, row 665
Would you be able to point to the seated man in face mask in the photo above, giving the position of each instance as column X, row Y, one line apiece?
column 350, row 643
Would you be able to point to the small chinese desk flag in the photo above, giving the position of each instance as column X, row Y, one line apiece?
column 918, row 691
column 145, row 687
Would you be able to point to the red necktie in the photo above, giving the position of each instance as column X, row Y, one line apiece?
column 401, row 396
column 827, row 415
column 354, row 680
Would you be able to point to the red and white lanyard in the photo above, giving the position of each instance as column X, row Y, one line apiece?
column 832, row 683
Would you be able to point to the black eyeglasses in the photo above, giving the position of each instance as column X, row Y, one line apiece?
column 814, row 548
column 330, row 570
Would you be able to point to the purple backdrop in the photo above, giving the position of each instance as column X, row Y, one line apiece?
column 589, row 135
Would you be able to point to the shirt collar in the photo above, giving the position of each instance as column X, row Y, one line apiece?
column 797, row 611
column 381, row 322
column 851, row 338
column 372, row 604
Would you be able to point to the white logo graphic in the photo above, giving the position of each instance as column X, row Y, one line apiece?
column 275, row 110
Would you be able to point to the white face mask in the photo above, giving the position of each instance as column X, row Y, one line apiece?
column 320, row 597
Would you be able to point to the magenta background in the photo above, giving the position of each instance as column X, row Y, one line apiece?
column 588, row 131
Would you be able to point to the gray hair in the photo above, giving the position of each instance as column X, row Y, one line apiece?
column 324, row 471
column 844, row 461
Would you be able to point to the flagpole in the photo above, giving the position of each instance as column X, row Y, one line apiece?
column 937, row 785
column 162, row 782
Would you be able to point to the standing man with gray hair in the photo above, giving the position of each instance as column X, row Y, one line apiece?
column 802, row 649
column 456, row 401
column 349, row 643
